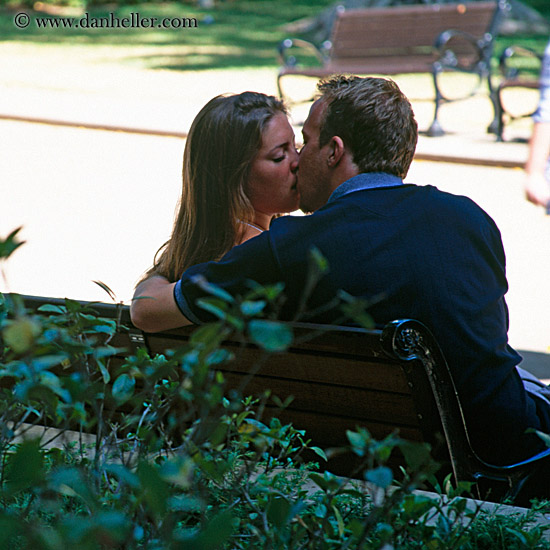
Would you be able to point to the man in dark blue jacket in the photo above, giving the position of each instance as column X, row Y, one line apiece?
column 414, row 251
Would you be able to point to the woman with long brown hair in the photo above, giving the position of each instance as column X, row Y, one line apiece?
column 239, row 171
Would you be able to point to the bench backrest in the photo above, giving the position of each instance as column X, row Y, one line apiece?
column 411, row 31
column 339, row 378
column 342, row 378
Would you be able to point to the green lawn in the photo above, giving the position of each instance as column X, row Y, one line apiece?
column 239, row 33
column 236, row 33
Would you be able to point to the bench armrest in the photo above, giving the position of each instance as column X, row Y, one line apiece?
column 514, row 52
column 527, row 462
column 288, row 60
column 448, row 58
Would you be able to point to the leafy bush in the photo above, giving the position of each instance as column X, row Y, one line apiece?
column 151, row 453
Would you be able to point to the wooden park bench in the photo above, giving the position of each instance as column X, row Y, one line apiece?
column 390, row 380
column 427, row 38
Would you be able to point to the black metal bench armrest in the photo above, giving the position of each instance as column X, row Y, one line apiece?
column 447, row 56
column 288, row 60
column 412, row 341
column 527, row 462
column 511, row 73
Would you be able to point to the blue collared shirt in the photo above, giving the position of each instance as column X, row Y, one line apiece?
column 362, row 182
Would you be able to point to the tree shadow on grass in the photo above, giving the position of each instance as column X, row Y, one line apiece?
column 198, row 61
column 245, row 33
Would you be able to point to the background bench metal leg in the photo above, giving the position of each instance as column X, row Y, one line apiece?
column 496, row 124
column 435, row 129
column 499, row 117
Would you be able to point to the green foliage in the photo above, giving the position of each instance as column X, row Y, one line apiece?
column 153, row 453
column 10, row 244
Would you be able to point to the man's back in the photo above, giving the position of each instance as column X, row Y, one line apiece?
column 414, row 252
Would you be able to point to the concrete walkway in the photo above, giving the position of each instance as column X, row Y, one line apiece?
column 95, row 205
column 100, row 88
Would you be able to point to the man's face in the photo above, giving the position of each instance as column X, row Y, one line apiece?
column 313, row 173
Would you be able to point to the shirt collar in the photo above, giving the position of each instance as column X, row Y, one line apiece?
column 372, row 180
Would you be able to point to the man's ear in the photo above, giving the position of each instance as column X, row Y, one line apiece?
column 336, row 151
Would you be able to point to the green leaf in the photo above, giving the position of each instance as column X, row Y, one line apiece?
column 112, row 525
column 216, row 307
column 123, row 388
column 10, row 244
column 123, row 474
column 48, row 361
column 154, row 487
column 10, row 526
column 415, row 506
column 381, row 476
column 210, row 334
column 20, row 334
column 272, row 336
column 278, row 510
column 359, row 441
column 179, row 472
column 253, row 308
column 327, row 481
column 519, row 535
column 219, row 357
column 318, row 451
column 339, row 520
column 106, row 351
column 356, row 309
column 443, row 526
column 51, row 308
column 70, row 481
column 27, row 469
column 104, row 371
column 111, row 294
column 213, row 535
column 417, row 455
column 104, row 329
column 219, row 434
column 269, row 292
column 545, row 437
column 212, row 289
column 318, row 261
column 53, row 382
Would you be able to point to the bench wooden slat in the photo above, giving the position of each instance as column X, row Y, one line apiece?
column 347, row 402
column 415, row 27
column 338, row 369
column 330, row 431
column 328, row 370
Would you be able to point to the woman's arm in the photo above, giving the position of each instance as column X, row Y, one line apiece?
column 153, row 306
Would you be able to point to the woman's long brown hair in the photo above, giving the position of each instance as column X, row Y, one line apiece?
column 223, row 140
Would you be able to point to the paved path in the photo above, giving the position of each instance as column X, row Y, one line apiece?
column 95, row 205
column 107, row 87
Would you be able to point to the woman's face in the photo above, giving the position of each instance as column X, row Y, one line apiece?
column 271, row 185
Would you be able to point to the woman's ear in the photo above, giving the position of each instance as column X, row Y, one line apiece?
column 336, row 151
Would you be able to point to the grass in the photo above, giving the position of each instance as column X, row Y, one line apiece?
column 235, row 34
